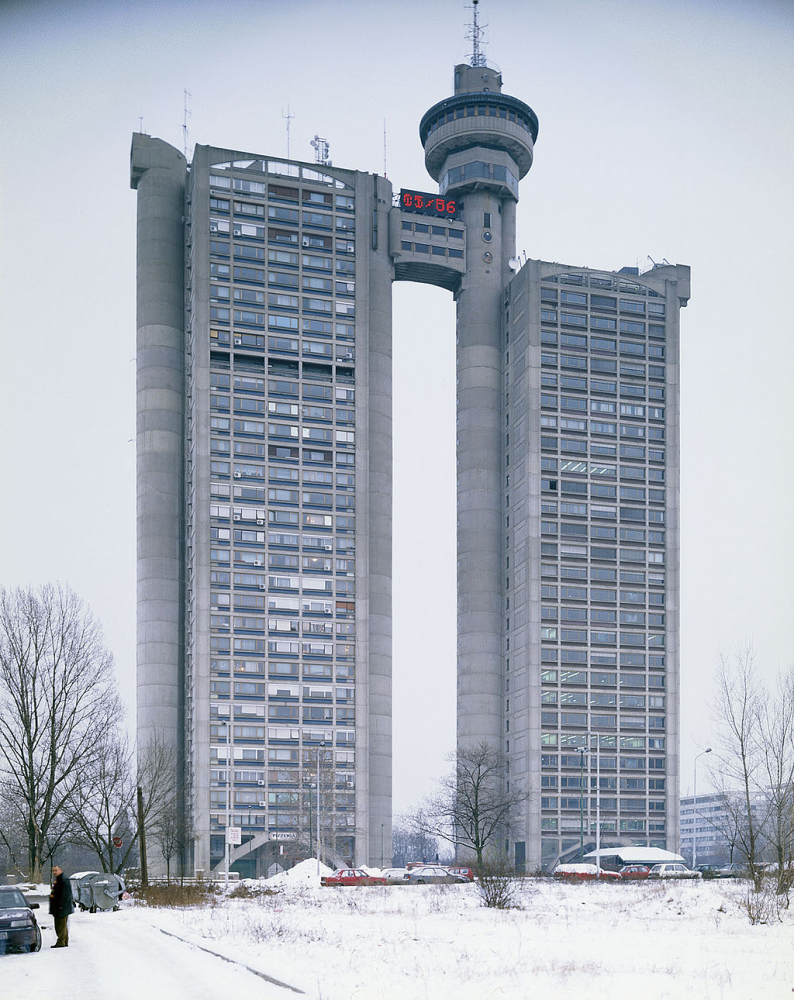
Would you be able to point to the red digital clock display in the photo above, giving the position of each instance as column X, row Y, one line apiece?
column 428, row 204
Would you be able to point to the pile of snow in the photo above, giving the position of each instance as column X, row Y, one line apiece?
column 305, row 873
column 689, row 940
column 636, row 855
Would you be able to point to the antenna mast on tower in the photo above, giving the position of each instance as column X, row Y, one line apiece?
column 186, row 95
column 476, row 36
column 288, row 118
column 322, row 150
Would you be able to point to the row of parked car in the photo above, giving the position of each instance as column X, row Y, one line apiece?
column 586, row 872
column 417, row 875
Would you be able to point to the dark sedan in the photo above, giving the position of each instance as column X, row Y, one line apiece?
column 433, row 874
column 19, row 929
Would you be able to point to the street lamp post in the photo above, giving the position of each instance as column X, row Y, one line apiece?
column 582, row 752
column 229, row 787
column 694, row 809
column 598, row 798
column 319, row 748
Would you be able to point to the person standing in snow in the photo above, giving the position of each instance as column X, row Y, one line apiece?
column 61, row 905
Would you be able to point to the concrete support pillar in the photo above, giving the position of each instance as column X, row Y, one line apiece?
column 158, row 172
column 480, row 438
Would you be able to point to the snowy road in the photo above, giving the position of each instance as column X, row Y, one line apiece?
column 119, row 956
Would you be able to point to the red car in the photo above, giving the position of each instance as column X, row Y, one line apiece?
column 584, row 873
column 634, row 871
column 352, row 876
column 465, row 872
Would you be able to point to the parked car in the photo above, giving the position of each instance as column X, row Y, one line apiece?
column 352, row 876
column 395, row 876
column 708, row 871
column 584, row 873
column 467, row 873
column 433, row 874
column 673, row 871
column 19, row 929
column 634, row 871
column 732, row 871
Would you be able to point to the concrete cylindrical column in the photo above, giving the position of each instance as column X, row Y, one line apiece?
column 158, row 174
column 479, row 474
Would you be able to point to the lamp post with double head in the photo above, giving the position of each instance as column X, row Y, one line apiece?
column 695, row 808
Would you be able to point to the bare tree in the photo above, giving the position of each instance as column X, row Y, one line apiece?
column 102, row 810
column 739, row 710
column 776, row 739
column 57, row 695
column 475, row 805
column 158, row 777
column 171, row 835
column 410, row 842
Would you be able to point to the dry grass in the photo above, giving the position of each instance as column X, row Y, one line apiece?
column 177, row 896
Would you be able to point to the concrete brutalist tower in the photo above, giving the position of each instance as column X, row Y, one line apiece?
column 478, row 145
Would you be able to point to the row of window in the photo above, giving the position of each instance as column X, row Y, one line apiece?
column 600, row 595
column 636, row 390
column 285, row 670
column 603, row 302
column 572, row 529
column 432, row 249
column 606, row 803
column 251, row 255
column 603, row 699
column 602, row 512
column 638, row 411
column 281, row 170
column 599, row 680
column 602, row 344
column 593, row 720
column 605, row 762
column 629, row 433
column 282, row 690
column 602, row 281
column 253, row 211
column 606, row 638
column 608, row 762
column 605, row 365
column 602, row 616
column 220, row 381
column 602, row 783
column 602, row 574
column 224, row 645
column 244, row 277
column 276, row 735
column 635, row 827
column 580, row 656
column 344, row 306
column 600, row 491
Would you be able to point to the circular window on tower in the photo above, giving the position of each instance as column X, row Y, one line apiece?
column 487, row 236
column 487, row 256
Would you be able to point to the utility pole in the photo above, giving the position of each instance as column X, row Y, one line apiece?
column 142, row 841
column 695, row 809
column 582, row 752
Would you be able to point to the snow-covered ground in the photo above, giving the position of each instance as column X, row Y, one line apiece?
column 660, row 941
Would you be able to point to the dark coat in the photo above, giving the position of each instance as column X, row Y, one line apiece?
column 61, row 902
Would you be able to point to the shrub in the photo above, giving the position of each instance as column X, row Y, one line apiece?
column 497, row 884
column 174, row 895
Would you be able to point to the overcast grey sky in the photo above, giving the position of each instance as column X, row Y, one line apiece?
column 665, row 131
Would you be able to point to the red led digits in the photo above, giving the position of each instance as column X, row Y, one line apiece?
column 428, row 204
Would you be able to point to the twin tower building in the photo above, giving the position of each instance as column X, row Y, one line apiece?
column 264, row 478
